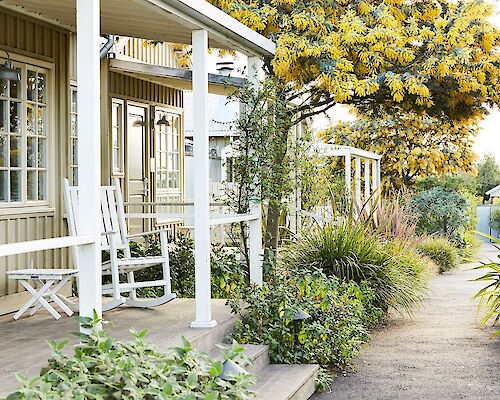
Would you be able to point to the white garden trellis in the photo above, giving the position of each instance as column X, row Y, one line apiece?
column 366, row 169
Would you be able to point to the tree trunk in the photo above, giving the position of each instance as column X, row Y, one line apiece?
column 272, row 227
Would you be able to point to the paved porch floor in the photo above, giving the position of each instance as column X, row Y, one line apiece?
column 23, row 343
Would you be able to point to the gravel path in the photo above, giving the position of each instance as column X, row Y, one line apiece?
column 438, row 354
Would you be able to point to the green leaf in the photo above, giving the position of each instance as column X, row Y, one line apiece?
column 216, row 369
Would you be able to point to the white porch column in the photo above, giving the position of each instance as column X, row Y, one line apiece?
column 89, row 155
column 255, row 71
column 255, row 244
column 357, row 174
column 348, row 175
column 201, row 183
column 256, row 251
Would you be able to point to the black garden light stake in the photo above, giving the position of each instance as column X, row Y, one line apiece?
column 297, row 319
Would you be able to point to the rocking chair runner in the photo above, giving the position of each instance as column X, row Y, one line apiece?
column 115, row 238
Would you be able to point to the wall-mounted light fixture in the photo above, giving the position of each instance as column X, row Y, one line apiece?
column 163, row 121
column 7, row 72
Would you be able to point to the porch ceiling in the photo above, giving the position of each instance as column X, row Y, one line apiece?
column 161, row 20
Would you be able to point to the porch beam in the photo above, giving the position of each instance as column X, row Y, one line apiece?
column 201, row 207
column 89, row 154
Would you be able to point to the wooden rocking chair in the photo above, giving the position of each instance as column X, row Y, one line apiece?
column 115, row 239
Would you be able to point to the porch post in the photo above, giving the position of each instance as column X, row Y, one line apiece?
column 256, row 256
column 255, row 71
column 201, row 187
column 89, row 154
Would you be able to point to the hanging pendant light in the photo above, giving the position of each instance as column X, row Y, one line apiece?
column 163, row 121
column 7, row 72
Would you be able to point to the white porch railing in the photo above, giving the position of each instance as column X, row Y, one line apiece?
column 31, row 246
column 253, row 218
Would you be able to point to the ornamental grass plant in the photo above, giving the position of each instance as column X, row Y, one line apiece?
column 351, row 251
column 440, row 250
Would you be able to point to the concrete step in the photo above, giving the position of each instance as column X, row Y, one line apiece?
column 286, row 382
column 258, row 357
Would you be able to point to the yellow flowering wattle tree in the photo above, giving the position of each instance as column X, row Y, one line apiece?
column 413, row 145
column 435, row 54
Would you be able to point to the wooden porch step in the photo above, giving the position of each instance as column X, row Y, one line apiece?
column 258, row 357
column 276, row 381
column 287, row 382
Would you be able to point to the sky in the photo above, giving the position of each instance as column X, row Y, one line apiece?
column 488, row 140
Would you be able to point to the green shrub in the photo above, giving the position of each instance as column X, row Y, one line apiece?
column 104, row 368
column 443, row 212
column 351, row 251
column 341, row 314
column 495, row 219
column 441, row 251
column 227, row 272
column 468, row 251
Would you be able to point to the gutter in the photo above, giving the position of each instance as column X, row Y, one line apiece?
column 106, row 47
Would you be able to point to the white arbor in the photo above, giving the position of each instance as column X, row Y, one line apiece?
column 366, row 169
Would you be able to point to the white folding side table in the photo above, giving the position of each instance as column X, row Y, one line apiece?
column 51, row 280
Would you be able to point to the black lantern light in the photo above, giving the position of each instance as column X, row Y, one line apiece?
column 163, row 121
column 7, row 72
column 297, row 319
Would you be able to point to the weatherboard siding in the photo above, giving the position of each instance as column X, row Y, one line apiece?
column 28, row 39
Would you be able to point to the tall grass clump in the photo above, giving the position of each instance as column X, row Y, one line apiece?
column 393, row 220
column 350, row 250
column 441, row 251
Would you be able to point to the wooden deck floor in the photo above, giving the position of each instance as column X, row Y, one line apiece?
column 23, row 343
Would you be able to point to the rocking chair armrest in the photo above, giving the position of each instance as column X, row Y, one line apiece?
column 135, row 235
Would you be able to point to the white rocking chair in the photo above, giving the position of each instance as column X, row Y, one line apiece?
column 115, row 238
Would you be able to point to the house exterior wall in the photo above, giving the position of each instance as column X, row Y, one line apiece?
column 158, row 54
column 29, row 40
column 32, row 41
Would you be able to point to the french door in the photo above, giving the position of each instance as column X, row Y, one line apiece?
column 138, row 190
column 168, row 159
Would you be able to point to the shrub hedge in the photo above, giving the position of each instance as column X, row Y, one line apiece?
column 441, row 251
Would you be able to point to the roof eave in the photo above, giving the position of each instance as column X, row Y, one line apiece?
column 217, row 22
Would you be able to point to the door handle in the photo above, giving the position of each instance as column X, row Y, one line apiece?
column 145, row 186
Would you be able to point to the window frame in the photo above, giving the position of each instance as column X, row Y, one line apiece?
column 25, row 205
column 118, row 171
column 73, row 167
